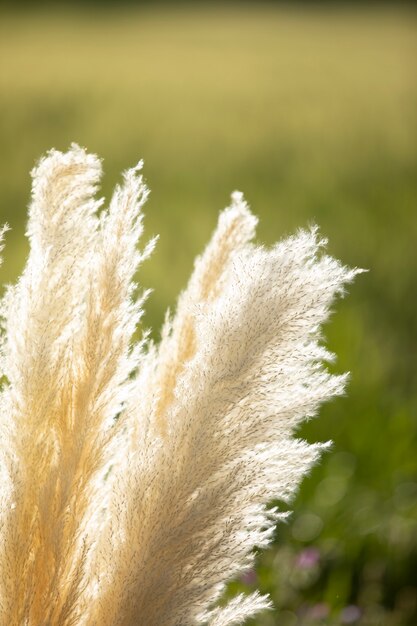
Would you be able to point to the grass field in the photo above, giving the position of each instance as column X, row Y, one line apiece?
column 313, row 114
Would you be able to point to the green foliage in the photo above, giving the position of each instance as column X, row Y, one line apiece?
column 312, row 115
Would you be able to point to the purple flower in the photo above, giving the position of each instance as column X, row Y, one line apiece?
column 308, row 558
column 350, row 614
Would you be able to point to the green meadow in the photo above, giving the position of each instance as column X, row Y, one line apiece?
column 312, row 113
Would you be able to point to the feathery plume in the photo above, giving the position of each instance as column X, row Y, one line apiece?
column 137, row 477
column 68, row 325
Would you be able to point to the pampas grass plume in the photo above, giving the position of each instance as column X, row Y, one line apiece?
column 136, row 477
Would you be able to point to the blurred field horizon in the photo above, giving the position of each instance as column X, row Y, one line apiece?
column 311, row 111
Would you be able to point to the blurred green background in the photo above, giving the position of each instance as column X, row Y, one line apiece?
column 311, row 111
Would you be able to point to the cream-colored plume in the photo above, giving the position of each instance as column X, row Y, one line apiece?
column 135, row 477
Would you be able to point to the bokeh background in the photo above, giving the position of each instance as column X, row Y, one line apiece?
column 310, row 109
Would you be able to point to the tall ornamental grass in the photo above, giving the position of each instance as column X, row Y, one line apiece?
column 135, row 478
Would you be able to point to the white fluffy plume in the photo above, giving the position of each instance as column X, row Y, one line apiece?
column 135, row 477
